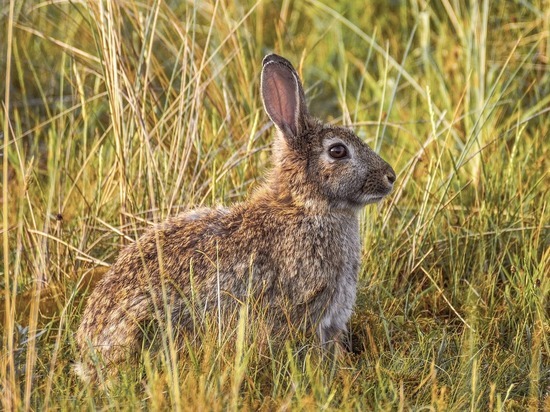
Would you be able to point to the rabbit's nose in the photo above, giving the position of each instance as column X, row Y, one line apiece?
column 389, row 174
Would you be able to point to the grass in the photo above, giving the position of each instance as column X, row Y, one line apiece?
column 118, row 114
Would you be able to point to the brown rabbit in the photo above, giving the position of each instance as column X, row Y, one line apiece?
column 293, row 246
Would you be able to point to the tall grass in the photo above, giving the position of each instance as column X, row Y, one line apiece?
column 118, row 114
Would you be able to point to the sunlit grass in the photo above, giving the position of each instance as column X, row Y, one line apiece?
column 118, row 114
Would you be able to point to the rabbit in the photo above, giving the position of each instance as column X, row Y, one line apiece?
column 293, row 246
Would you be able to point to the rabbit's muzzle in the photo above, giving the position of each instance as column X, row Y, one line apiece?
column 379, row 183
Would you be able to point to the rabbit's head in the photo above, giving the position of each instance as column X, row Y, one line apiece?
column 315, row 163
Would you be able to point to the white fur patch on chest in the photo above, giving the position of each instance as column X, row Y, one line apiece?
column 340, row 308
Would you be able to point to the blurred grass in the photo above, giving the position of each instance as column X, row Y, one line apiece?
column 118, row 114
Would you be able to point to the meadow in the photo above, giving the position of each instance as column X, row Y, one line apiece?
column 117, row 114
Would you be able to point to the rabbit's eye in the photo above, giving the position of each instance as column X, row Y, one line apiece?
column 338, row 151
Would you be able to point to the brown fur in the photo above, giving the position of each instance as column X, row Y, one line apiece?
column 293, row 247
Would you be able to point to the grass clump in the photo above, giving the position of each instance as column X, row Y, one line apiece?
column 118, row 114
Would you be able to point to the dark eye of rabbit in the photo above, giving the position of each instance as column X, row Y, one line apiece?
column 338, row 151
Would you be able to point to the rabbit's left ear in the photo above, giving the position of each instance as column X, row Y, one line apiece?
column 283, row 96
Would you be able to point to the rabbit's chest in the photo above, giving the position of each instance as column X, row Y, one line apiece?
column 339, row 305
column 341, row 274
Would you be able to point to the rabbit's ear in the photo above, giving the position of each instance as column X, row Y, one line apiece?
column 283, row 96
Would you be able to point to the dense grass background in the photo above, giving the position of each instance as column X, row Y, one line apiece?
column 118, row 114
